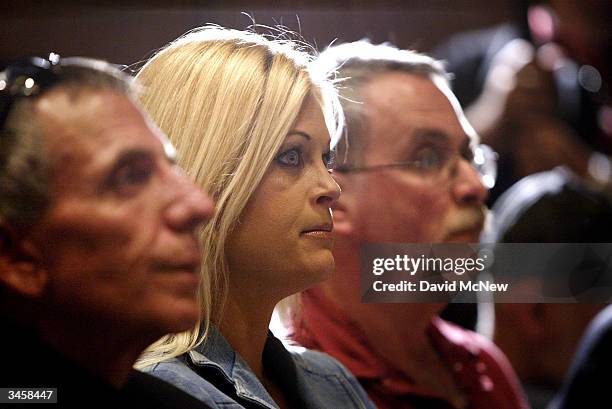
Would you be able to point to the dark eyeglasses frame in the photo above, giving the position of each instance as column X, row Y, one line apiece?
column 27, row 78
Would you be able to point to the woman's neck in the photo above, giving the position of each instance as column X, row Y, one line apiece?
column 245, row 325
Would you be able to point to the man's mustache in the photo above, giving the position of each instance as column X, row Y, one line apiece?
column 467, row 219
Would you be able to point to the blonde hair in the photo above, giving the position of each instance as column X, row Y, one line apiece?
column 227, row 99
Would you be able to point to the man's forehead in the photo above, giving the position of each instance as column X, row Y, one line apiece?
column 402, row 107
column 91, row 111
column 403, row 93
column 91, row 130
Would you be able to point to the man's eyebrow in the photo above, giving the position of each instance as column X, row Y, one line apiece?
column 301, row 133
column 430, row 135
column 420, row 136
column 129, row 156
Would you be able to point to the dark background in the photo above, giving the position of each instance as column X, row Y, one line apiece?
column 127, row 31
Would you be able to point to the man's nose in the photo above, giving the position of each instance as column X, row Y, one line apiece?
column 191, row 207
column 468, row 188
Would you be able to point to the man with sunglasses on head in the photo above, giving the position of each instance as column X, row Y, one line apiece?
column 98, row 251
column 411, row 171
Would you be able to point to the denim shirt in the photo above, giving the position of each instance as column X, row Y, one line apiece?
column 216, row 374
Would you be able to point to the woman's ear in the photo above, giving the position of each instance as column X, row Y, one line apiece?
column 20, row 269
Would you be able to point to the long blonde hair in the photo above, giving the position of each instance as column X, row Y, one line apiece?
column 227, row 99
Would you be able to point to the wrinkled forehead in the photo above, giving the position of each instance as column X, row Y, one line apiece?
column 87, row 132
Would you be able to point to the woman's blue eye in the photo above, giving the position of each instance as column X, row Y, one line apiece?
column 292, row 157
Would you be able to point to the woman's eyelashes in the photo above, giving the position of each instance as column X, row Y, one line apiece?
column 290, row 158
column 294, row 157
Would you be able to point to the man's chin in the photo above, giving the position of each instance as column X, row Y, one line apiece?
column 183, row 317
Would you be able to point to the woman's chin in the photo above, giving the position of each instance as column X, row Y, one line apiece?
column 304, row 271
column 320, row 267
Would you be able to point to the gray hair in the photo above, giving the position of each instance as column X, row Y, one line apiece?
column 359, row 62
column 25, row 195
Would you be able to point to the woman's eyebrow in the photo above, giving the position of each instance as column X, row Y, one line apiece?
column 307, row 136
column 301, row 133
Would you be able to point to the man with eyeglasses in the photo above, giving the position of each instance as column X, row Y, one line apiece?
column 411, row 171
column 98, row 252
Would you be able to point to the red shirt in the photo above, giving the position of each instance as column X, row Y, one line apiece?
column 480, row 369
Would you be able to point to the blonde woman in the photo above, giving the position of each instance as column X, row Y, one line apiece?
column 252, row 126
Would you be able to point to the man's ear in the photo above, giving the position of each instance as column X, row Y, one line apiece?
column 20, row 270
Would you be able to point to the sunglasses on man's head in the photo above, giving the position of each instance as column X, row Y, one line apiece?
column 26, row 78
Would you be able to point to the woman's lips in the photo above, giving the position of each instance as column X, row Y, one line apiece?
column 320, row 232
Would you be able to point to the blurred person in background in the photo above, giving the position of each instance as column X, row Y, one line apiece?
column 538, row 90
column 588, row 380
column 540, row 339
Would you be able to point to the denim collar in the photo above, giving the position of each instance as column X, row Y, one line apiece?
column 217, row 355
